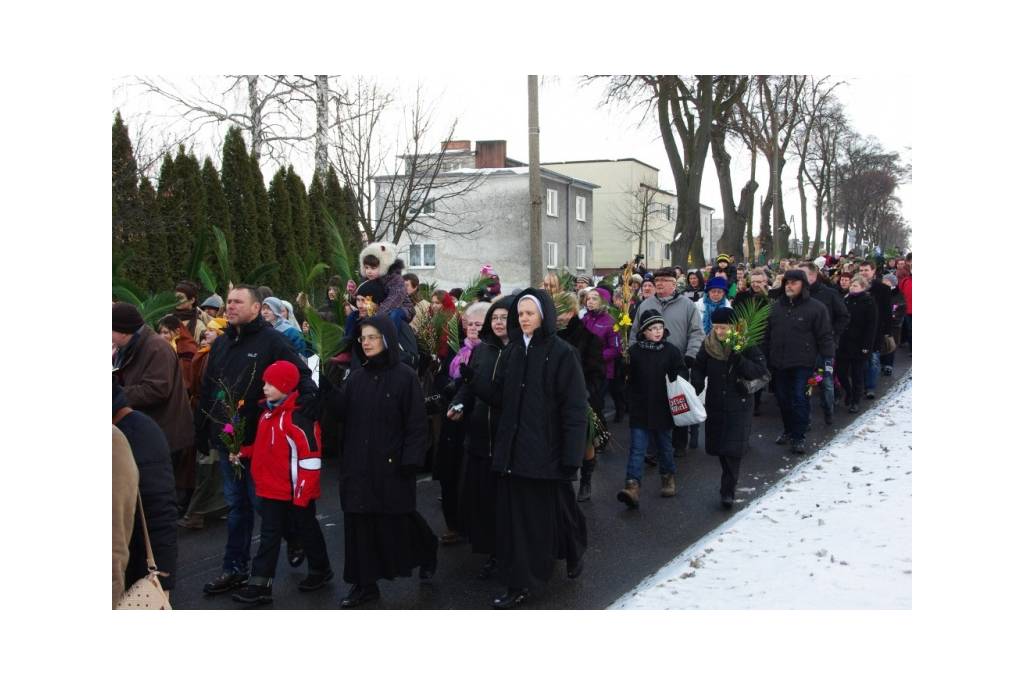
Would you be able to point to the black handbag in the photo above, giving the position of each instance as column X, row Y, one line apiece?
column 756, row 384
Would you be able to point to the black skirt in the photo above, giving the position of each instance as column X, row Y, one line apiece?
column 386, row 546
column 479, row 500
column 539, row 522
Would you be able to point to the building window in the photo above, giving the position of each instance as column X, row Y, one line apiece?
column 422, row 255
column 581, row 257
column 581, row 209
column 428, row 207
column 552, row 254
column 552, row 203
column 670, row 212
column 666, row 251
column 651, row 250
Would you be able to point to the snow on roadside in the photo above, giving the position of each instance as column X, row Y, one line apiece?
column 834, row 534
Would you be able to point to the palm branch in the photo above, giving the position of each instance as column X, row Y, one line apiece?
column 156, row 307
column 306, row 270
column 752, row 320
column 327, row 339
column 568, row 282
column 474, row 291
column 344, row 264
column 429, row 338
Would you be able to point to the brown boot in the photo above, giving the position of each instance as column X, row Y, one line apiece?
column 193, row 522
column 668, row 485
column 630, row 495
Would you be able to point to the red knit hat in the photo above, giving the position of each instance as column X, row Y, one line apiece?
column 282, row 375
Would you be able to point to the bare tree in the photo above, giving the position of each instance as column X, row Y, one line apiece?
column 638, row 216
column 818, row 114
column 418, row 198
column 686, row 108
column 769, row 116
column 734, row 216
column 866, row 183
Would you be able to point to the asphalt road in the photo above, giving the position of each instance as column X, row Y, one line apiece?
column 625, row 545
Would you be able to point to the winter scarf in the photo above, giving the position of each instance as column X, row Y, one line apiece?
column 462, row 357
column 710, row 308
column 715, row 347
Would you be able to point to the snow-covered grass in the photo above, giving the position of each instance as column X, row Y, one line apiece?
column 835, row 534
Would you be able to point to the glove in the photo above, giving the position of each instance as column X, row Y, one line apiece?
column 309, row 407
column 466, row 372
column 689, row 361
column 407, row 470
column 672, row 375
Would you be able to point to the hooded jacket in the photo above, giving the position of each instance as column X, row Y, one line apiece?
column 385, row 427
column 799, row 329
column 542, row 396
column 483, row 419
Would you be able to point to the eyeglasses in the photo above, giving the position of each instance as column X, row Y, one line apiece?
column 499, row 319
column 368, row 338
column 665, row 279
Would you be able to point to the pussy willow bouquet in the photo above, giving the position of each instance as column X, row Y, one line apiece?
column 233, row 432
column 814, row 381
column 751, row 324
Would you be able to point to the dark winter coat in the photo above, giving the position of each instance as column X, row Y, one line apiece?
column 860, row 334
column 543, row 399
column 730, row 409
column 881, row 293
column 799, row 331
column 591, row 355
column 648, row 395
column 238, row 359
column 385, row 428
column 482, row 419
column 833, row 301
column 150, row 374
column 159, row 500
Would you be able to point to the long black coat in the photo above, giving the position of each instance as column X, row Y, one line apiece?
column 860, row 333
column 482, row 419
column 591, row 351
column 882, row 296
column 385, row 428
column 543, row 400
column 730, row 409
column 648, row 396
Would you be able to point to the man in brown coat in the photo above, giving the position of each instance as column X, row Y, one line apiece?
column 150, row 374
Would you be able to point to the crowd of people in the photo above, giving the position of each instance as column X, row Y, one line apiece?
column 502, row 397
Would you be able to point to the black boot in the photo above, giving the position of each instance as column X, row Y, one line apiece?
column 586, row 471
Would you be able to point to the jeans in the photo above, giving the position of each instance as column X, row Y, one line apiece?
column 243, row 505
column 794, row 402
column 871, row 370
column 827, row 386
column 638, row 439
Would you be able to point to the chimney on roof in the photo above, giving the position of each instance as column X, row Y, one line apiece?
column 453, row 145
column 490, row 154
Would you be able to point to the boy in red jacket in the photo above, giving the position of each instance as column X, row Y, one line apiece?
column 286, row 473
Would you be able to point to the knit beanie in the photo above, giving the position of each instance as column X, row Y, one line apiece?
column 282, row 375
column 213, row 301
column 372, row 289
column 605, row 295
column 126, row 318
column 717, row 282
column 722, row 315
column 648, row 318
column 723, row 258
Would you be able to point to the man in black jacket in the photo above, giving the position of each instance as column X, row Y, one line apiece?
column 882, row 296
column 799, row 334
column 840, row 318
column 234, row 373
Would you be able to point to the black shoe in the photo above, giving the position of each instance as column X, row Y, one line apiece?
column 651, row 461
column 584, row 494
column 726, row 502
column 887, row 371
column 225, row 582
column 254, row 594
column 854, row 408
column 575, row 570
column 511, row 597
column 315, row 581
column 782, row 439
column 361, row 594
column 427, row 570
column 296, row 555
column 798, row 447
column 829, row 417
column 870, row 394
column 487, row 570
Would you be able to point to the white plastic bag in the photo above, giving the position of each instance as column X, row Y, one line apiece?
column 683, row 402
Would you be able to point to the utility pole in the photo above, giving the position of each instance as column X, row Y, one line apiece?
column 536, row 246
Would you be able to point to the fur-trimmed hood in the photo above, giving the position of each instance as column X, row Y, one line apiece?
column 387, row 253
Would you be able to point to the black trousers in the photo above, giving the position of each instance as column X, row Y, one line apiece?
column 278, row 517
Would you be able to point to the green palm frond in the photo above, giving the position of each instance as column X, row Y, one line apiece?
column 260, row 273
column 474, row 291
column 752, row 316
column 433, row 329
column 344, row 264
column 156, row 307
column 326, row 338
column 568, row 281
column 306, row 270
column 220, row 249
column 196, row 259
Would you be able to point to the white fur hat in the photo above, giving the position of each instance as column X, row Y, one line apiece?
column 385, row 252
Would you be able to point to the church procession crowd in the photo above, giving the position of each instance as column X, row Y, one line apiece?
column 223, row 408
